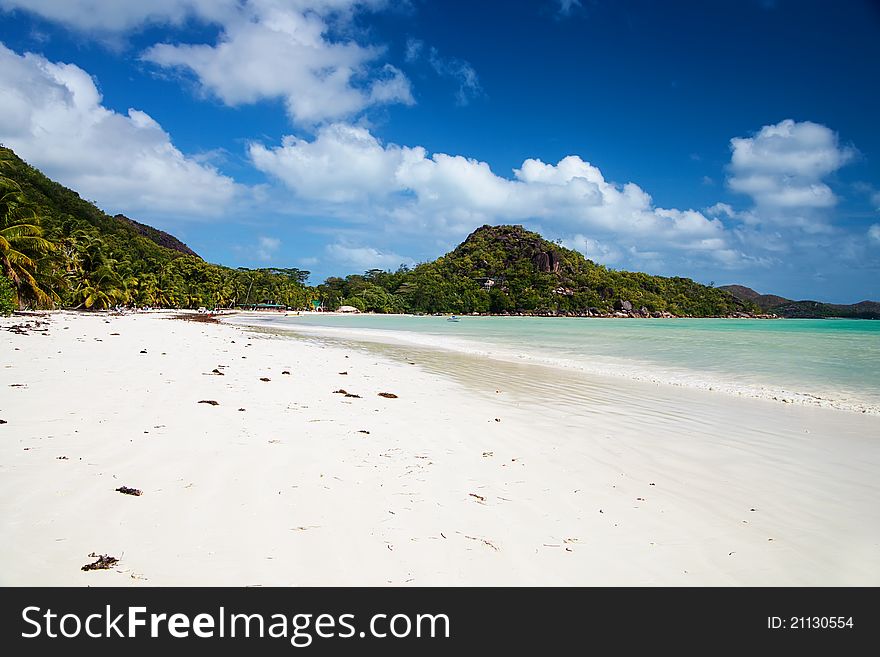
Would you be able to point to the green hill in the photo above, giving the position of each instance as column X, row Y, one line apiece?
column 507, row 269
column 64, row 251
column 783, row 307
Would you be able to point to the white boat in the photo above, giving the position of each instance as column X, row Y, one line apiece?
column 454, row 318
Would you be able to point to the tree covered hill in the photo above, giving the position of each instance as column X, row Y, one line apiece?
column 157, row 236
column 57, row 249
column 805, row 309
column 507, row 269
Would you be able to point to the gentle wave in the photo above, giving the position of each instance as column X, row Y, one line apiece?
column 632, row 368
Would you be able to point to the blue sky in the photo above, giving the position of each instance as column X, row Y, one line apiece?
column 727, row 141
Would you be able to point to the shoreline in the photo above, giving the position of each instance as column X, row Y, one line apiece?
column 709, row 382
column 469, row 476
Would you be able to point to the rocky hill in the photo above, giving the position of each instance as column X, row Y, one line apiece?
column 510, row 270
column 157, row 236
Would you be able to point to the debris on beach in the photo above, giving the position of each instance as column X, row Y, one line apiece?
column 61, row 458
column 341, row 391
column 483, row 541
column 488, row 454
column 388, row 395
column 352, row 395
column 103, row 562
column 206, row 318
column 265, row 379
column 285, row 372
column 125, row 490
column 210, row 401
column 143, row 351
column 3, row 422
column 498, row 419
column 241, row 409
column 216, row 372
column 364, row 431
column 343, row 373
column 479, row 497
column 22, row 329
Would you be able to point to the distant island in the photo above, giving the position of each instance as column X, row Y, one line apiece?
column 60, row 250
column 771, row 303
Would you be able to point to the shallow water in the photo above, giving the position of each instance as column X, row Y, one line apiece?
column 823, row 362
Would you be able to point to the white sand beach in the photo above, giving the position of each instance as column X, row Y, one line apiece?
column 486, row 474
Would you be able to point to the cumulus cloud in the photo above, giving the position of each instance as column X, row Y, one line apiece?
column 266, row 50
column 783, row 166
column 365, row 257
column 417, row 192
column 52, row 116
column 605, row 254
column 874, row 233
column 271, row 49
column 342, row 164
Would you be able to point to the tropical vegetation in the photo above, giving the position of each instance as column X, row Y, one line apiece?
column 507, row 269
column 57, row 249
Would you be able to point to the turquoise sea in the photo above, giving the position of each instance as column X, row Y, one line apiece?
column 825, row 362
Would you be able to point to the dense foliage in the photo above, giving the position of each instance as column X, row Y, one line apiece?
column 58, row 249
column 7, row 296
column 502, row 269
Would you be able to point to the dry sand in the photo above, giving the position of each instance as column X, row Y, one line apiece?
column 613, row 483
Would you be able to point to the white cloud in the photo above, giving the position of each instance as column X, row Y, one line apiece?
column 267, row 49
column 602, row 253
column 119, row 16
column 365, row 257
column 267, row 247
column 52, row 116
column 275, row 50
column 344, row 163
column 783, row 166
column 874, row 233
column 413, row 192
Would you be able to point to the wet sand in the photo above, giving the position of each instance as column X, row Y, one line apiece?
column 477, row 472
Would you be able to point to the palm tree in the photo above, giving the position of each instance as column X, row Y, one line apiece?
column 22, row 245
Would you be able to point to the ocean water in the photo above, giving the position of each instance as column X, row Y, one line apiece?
column 822, row 362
